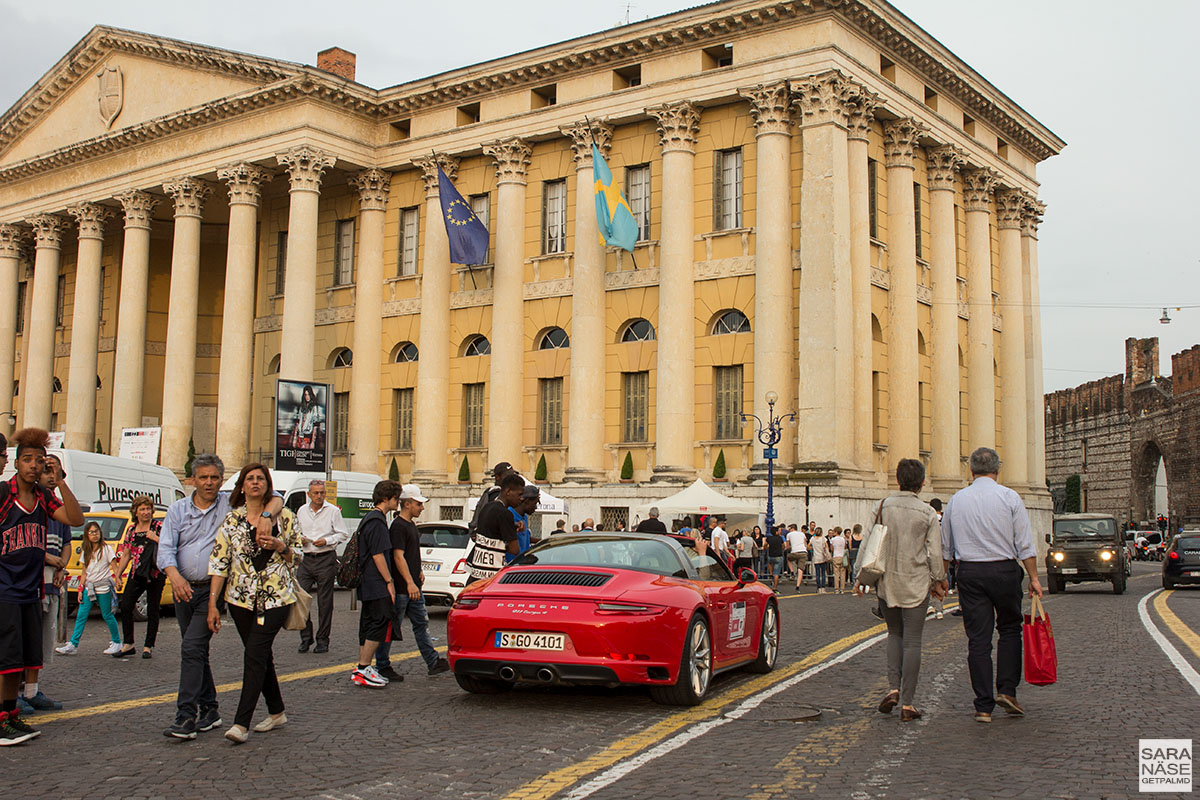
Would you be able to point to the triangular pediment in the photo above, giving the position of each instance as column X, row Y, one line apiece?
column 114, row 79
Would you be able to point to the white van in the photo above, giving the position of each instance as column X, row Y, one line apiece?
column 105, row 483
column 354, row 491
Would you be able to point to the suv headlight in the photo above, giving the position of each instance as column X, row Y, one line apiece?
column 1106, row 555
column 1059, row 556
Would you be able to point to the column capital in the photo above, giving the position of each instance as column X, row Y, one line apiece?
column 305, row 165
column 900, row 138
column 429, row 166
column 245, row 183
column 189, row 195
column 770, row 106
column 48, row 230
column 941, row 163
column 824, row 98
column 678, row 125
column 1031, row 216
column 583, row 135
column 978, row 185
column 12, row 239
column 139, row 208
column 1010, row 208
column 91, row 218
column 373, row 186
column 512, row 159
column 861, row 113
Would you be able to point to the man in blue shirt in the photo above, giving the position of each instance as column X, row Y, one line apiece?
column 520, row 512
column 184, row 545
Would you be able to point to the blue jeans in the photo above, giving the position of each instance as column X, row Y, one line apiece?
column 419, row 617
column 822, row 574
column 104, row 601
column 197, row 692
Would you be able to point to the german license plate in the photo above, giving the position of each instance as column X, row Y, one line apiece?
column 1070, row 571
column 431, row 566
column 530, row 641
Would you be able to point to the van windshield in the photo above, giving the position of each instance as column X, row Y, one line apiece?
column 1084, row 528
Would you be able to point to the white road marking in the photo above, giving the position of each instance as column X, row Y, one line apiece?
column 618, row 771
column 1185, row 669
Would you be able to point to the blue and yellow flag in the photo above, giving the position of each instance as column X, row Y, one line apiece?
column 467, row 234
column 614, row 217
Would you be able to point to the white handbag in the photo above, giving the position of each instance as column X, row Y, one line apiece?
column 871, row 564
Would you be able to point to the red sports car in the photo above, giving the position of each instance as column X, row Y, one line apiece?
column 608, row 609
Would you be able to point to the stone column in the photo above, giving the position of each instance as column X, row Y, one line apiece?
column 978, row 186
column 774, row 348
column 305, row 165
column 129, row 363
column 366, row 372
column 40, row 327
column 585, row 407
column 946, row 462
column 433, row 366
column 858, row 137
column 179, row 381
column 678, row 126
column 1035, row 416
column 904, row 398
column 1010, row 207
column 826, row 345
column 85, row 328
column 11, row 237
column 236, row 379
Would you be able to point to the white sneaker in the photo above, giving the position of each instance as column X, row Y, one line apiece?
column 113, row 647
column 939, row 615
column 66, row 649
column 368, row 676
column 930, row 610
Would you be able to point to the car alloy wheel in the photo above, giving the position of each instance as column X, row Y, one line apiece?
column 770, row 635
column 700, row 660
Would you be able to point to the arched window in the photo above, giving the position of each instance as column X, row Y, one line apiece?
column 57, row 386
column 731, row 321
column 554, row 339
column 876, row 329
column 921, row 344
column 477, row 345
column 406, row 353
column 638, row 330
column 273, row 366
column 342, row 357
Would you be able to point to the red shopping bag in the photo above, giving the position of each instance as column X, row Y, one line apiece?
column 1041, row 659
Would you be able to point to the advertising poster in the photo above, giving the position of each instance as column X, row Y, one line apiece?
column 301, row 426
column 140, row 444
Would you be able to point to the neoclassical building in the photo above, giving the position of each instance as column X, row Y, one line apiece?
column 831, row 205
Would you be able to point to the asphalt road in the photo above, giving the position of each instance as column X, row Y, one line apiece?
column 807, row 729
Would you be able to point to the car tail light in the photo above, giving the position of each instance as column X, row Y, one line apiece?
column 1174, row 555
column 461, row 567
column 467, row 602
column 627, row 608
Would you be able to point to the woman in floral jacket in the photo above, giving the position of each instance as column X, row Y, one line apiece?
column 256, row 573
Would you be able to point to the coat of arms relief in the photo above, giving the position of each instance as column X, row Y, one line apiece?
column 111, row 95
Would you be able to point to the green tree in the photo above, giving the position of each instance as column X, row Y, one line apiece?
column 719, row 467
column 394, row 470
column 464, row 471
column 539, row 473
column 1073, row 504
column 99, row 447
column 187, row 465
column 627, row 467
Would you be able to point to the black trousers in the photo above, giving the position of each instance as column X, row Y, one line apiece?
column 990, row 595
column 134, row 588
column 197, row 692
column 258, row 662
column 316, row 576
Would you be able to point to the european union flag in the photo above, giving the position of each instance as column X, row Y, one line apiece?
column 468, row 236
column 614, row 217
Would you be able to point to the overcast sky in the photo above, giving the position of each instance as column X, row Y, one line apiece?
column 1117, row 83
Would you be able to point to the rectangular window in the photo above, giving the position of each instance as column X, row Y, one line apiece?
column 280, row 261
column 727, row 387
column 637, row 192
column 343, row 253
column 917, row 217
column 613, row 516
column 550, row 400
column 404, row 419
column 341, row 422
column 873, row 197
column 727, row 189
column 410, row 235
column 473, row 415
column 61, row 301
column 450, row 512
column 554, row 216
column 481, row 206
column 636, row 396
column 21, row 288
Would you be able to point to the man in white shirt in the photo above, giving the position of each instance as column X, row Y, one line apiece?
column 720, row 540
column 322, row 529
column 796, row 545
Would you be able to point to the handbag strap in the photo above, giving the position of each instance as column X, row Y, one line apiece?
column 1036, row 609
column 878, row 513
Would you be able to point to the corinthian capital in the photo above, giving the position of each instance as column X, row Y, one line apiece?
column 90, row 217
column 48, row 230
column 373, row 186
column 245, row 183
column 942, row 162
column 139, row 208
column 189, row 195
column 429, row 166
column 1031, row 216
column 900, row 141
column 861, row 112
column 978, row 185
column 824, row 98
column 583, row 135
column 512, row 159
column 770, row 106
column 305, row 165
column 678, row 125
column 1010, row 207
column 12, row 239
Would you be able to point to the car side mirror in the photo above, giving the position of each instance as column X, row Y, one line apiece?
column 1047, row 538
column 745, row 576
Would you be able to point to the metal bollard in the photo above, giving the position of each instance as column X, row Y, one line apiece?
column 61, row 634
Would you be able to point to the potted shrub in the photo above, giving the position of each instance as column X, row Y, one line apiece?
column 539, row 473
column 719, row 467
column 394, row 471
column 464, row 471
column 627, row 468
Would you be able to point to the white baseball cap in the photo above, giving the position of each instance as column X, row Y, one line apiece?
column 410, row 491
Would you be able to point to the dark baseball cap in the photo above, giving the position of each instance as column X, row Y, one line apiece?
column 502, row 468
column 530, row 491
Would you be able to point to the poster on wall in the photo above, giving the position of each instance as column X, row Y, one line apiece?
column 140, row 444
column 301, row 426
column 56, row 440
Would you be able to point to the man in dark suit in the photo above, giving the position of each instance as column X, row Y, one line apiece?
column 651, row 524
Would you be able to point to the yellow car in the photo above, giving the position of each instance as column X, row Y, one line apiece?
column 112, row 525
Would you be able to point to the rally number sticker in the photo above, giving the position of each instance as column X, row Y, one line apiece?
column 737, row 620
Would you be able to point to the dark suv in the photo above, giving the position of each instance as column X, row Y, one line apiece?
column 1086, row 547
column 1182, row 562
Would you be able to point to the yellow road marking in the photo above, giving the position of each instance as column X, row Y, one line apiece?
column 1177, row 626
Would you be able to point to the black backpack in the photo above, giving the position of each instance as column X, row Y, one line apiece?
column 348, row 572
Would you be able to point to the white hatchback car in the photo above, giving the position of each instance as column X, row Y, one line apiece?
column 444, row 546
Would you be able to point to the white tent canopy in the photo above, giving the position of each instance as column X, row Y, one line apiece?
column 547, row 503
column 700, row 498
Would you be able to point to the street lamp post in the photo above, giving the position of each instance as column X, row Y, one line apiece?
column 769, row 433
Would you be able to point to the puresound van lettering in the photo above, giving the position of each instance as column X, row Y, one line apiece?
column 121, row 494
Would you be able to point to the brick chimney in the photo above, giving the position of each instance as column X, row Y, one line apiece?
column 338, row 61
